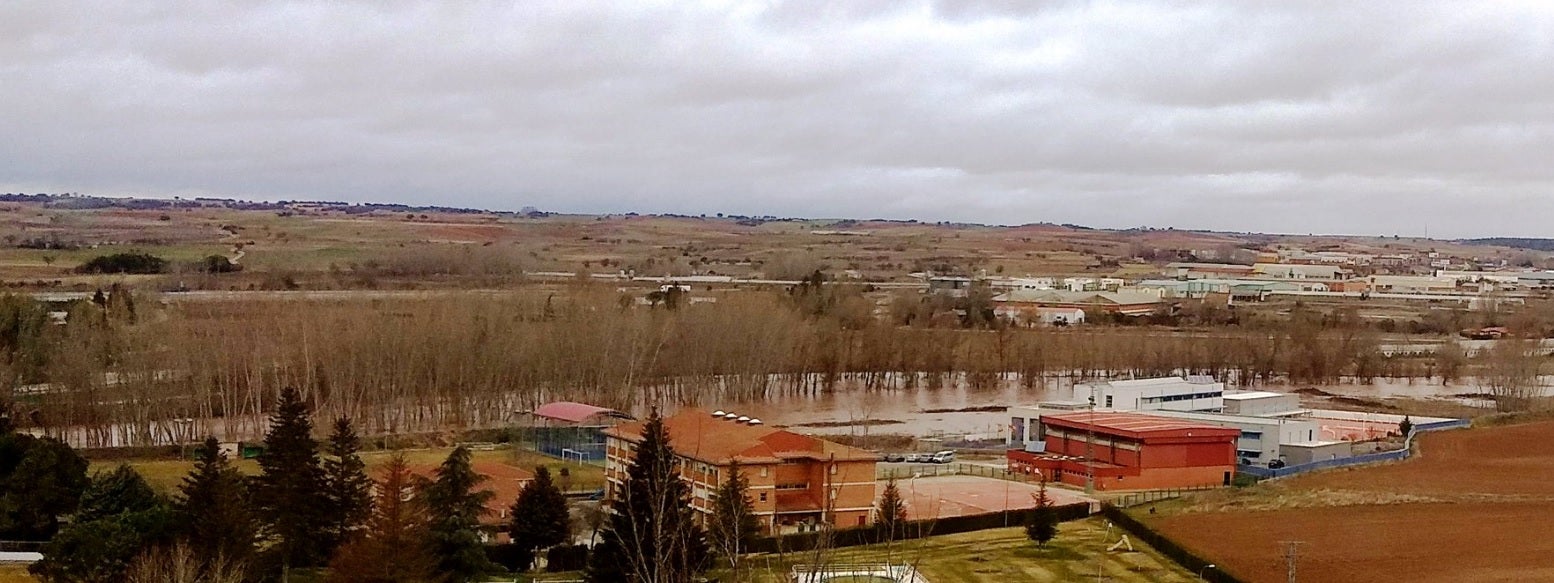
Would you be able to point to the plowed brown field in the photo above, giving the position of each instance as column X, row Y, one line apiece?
column 1479, row 507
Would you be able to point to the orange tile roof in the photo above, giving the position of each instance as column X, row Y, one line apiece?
column 696, row 434
column 502, row 480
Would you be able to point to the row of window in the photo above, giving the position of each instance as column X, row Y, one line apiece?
column 1186, row 397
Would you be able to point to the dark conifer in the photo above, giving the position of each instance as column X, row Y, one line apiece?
column 347, row 486
column 651, row 535
column 456, row 506
column 213, row 511
column 289, row 491
column 540, row 516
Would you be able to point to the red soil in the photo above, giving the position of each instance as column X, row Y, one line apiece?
column 1494, row 492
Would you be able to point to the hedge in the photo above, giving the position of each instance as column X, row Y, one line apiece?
column 868, row 535
column 1167, row 547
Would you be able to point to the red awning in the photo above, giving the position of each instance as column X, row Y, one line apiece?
column 575, row 412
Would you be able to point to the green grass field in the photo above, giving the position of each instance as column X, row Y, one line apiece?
column 1001, row 555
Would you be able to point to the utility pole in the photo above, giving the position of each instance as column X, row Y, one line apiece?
column 1090, row 446
column 1291, row 554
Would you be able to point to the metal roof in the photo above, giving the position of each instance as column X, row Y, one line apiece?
column 575, row 412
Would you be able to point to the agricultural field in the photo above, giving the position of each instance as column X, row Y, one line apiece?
column 318, row 247
column 1473, row 507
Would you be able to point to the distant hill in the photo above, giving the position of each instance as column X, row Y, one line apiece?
column 1536, row 244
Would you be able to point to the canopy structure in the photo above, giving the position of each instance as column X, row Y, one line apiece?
column 577, row 413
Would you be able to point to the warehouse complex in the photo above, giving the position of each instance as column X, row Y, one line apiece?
column 1268, row 429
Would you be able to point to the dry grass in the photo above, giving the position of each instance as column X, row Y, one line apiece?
column 166, row 475
column 15, row 574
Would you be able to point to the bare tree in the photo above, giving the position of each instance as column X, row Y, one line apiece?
column 1512, row 367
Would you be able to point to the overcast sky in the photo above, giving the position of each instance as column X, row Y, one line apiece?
column 1328, row 117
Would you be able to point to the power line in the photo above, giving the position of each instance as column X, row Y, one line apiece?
column 1291, row 556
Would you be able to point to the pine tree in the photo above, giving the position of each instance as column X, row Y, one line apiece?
column 213, row 511
column 347, row 486
column 540, row 517
column 734, row 525
column 289, row 492
column 651, row 535
column 456, row 507
column 120, row 517
column 891, row 515
column 1043, row 525
column 395, row 546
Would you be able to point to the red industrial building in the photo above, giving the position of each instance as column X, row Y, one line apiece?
column 1128, row 451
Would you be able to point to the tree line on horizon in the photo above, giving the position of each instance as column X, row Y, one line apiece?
column 112, row 376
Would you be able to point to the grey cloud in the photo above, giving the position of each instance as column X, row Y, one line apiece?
column 1293, row 117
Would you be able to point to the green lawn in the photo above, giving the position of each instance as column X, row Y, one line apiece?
column 1001, row 555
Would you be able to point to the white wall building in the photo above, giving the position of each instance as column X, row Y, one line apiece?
column 1162, row 394
column 1262, row 404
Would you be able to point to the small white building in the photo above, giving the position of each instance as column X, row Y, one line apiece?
column 1262, row 404
column 1041, row 316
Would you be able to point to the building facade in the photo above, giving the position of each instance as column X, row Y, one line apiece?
column 1195, row 393
column 796, row 481
column 1109, row 450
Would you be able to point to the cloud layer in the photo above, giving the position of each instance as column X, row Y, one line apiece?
column 1351, row 117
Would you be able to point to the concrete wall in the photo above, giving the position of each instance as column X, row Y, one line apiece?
column 1272, row 404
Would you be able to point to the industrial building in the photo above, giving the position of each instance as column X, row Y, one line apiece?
column 1109, row 450
column 1196, row 393
column 1273, row 427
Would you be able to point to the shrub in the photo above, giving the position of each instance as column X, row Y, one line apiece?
column 124, row 263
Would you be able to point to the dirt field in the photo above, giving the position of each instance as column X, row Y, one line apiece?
column 947, row 496
column 1474, row 507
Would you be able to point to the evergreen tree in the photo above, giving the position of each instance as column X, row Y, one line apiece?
column 120, row 517
column 289, row 491
column 891, row 515
column 1043, row 525
column 540, row 517
column 41, row 479
column 347, row 486
column 456, row 507
column 395, row 546
column 651, row 534
column 213, row 511
column 734, row 524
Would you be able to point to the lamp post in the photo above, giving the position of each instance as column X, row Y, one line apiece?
column 1205, row 568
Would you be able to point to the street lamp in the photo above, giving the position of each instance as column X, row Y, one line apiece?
column 1205, row 568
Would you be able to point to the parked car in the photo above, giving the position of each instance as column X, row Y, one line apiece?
column 942, row 457
column 894, row 457
column 915, row 458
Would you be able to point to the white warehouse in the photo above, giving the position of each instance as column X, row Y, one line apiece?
column 1196, row 393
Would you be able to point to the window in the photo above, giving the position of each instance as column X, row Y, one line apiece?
column 763, row 471
column 1108, row 401
column 763, row 496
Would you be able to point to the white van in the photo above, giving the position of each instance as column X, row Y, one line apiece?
column 942, row 457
